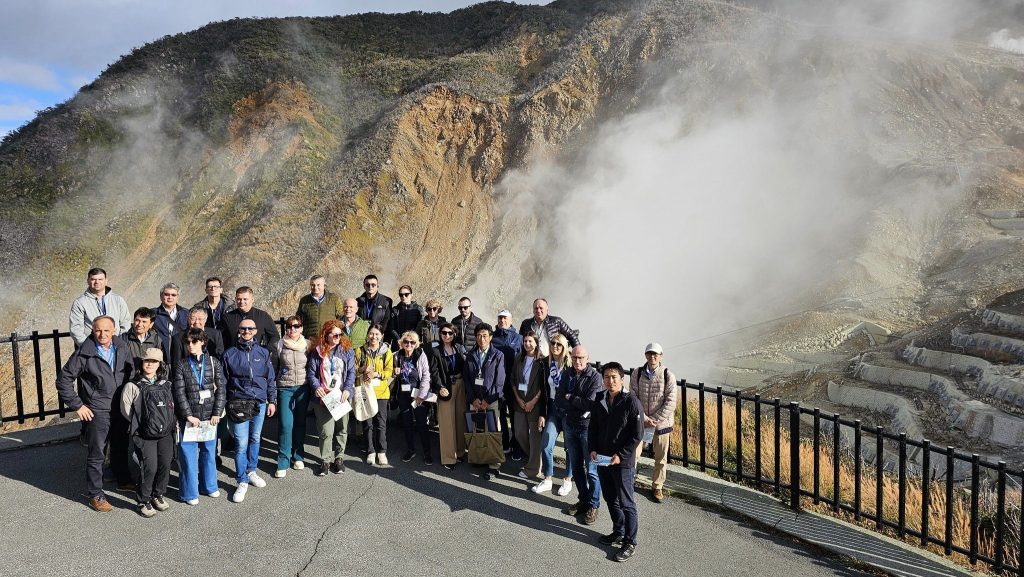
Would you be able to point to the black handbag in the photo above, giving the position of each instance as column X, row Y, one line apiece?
column 242, row 410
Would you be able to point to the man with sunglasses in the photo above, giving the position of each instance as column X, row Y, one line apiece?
column 318, row 307
column 466, row 323
column 374, row 307
column 267, row 333
column 406, row 315
column 214, row 304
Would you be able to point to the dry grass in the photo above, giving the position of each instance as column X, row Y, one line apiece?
column 961, row 503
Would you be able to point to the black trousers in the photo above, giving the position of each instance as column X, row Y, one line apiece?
column 377, row 429
column 120, row 443
column 155, row 456
column 97, row 431
column 414, row 422
column 617, row 489
column 508, row 432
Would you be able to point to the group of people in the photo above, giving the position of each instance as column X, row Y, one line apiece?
column 170, row 378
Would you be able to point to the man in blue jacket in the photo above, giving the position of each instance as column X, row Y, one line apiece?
column 103, row 364
column 250, row 375
column 576, row 389
column 171, row 318
column 484, row 376
column 510, row 343
column 616, row 428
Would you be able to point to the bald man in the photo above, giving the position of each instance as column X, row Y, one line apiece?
column 578, row 386
column 355, row 327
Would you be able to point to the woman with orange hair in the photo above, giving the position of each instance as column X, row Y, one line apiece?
column 331, row 365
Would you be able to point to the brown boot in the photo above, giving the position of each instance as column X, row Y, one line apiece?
column 99, row 503
column 591, row 517
column 658, row 494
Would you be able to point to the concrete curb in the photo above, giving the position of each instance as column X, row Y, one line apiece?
column 62, row 431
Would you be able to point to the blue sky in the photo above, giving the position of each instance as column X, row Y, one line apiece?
column 50, row 48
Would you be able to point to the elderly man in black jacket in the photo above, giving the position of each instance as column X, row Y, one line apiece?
column 547, row 327
column 616, row 428
column 103, row 365
column 577, row 387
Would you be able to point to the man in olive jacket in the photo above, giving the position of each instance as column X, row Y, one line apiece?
column 103, row 364
column 318, row 307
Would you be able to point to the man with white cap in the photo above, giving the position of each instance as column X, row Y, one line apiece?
column 510, row 343
column 655, row 386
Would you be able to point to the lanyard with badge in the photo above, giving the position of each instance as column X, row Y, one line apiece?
column 407, row 369
column 200, row 375
column 481, row 357
column 527, row 370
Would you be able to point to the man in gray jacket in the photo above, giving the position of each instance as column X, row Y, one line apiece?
column 98, row 300
column 103, row 364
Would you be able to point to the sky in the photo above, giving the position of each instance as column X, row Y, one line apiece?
column 51, row 48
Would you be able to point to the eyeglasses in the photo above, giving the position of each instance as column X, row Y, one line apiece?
column 553, row 345
column 405, row 294
column 447, row 334
column 247, row 329
column 462, row 308
column 369, row 285
column 575, row 358
column 295, row 326
column 433, row 308
column 170, row 294
column 335, row 335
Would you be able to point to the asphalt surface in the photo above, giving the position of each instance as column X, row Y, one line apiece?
column 406, row 519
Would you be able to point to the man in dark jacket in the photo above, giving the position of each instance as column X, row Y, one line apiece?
column 373, row 306
column 484, row 376
column 577, row 387
column 466, row 323
column 103, row 364
column 406, row 315
column 547, row 326
column 214, row 304
column 318, row 307
column 267, row 333
column 171, row 318
column 510, row 343
column 140, row 337
column 616, row 428
column 214, row 345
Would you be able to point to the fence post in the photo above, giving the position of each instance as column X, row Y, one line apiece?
column 794, row 456
column 685, row 425
column 18, row 393
column 926, row 488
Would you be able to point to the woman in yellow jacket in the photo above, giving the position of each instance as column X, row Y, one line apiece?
column 374, row 367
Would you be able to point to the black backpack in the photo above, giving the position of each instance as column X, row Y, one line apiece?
column 156, row 415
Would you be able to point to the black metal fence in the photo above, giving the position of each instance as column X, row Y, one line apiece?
column 951, row 501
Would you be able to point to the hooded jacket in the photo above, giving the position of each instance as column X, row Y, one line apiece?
column 186, row 389
column 376, row 310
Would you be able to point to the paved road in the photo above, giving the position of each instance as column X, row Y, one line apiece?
column 407, row 519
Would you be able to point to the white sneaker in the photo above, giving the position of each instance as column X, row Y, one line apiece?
column 382, row 459
column 371, row 459
column 214, row 494
column 541, row 487
column 278, row 474
column 239, row 495
column 566, row 488
column 193, row 501
column 256, row 481
column 522, row 474
column 298, row 465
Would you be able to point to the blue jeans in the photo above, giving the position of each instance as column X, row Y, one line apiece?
column 553, row 425
column 247, row 444
column 196, row 462
column 292, row 403
column 578, row 453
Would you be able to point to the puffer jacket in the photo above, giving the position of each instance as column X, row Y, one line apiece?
column 291, row 364
column 250, row 372
column 186, row 389
column 465, row 329
column 383, row 364
column 553, row 326
column 657, row 395
column 404, row 317
column 314, row 314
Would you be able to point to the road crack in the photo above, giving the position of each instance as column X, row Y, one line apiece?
column 323, row 535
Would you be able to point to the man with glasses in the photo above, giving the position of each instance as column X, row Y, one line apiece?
column 214, row 345
column 374, row 306
column 318, row 307
column 171, row 318
column 267, row 333
column 546, row 327
column 655, row 386
column 98, row 300
column 484, row 376
column 466, row 323
column 355, row 327
column 577, row 388
column 406, row 315
column 214, row 305
column 430, row 325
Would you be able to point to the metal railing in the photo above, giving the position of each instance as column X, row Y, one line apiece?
column 955, row 502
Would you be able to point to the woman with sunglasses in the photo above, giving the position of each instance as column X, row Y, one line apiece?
column 376, row 365
column 551, row 420
column 412, row 375
column 331, row 365
column 200, row 394
column 451, row 397
column 292, row 396
column 429, row 326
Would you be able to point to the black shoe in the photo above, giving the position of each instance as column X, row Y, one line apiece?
column 449, row 467
column 517, row 455
column 626, row 552
column 323, row 470
column 408, row 456
column 575, row 508
column 338, row 466
column 428, row 460
column 611, row 539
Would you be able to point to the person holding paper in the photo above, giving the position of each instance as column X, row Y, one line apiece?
column 655, row 386
column 412, row 374
column 331, row 367
column 484, row 375
column 616, row 427
column 528, row 378
column 200, row 394
column 375, row 368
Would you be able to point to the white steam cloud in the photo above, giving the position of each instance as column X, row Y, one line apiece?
column 1003, row 41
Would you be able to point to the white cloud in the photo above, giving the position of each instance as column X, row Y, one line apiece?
column 18, row 111
column 1003, row 41
column 30, row 75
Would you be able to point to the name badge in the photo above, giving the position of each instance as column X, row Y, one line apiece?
column 523, row 387
column 479, row 381
column 406, row 388
column 203, row 395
